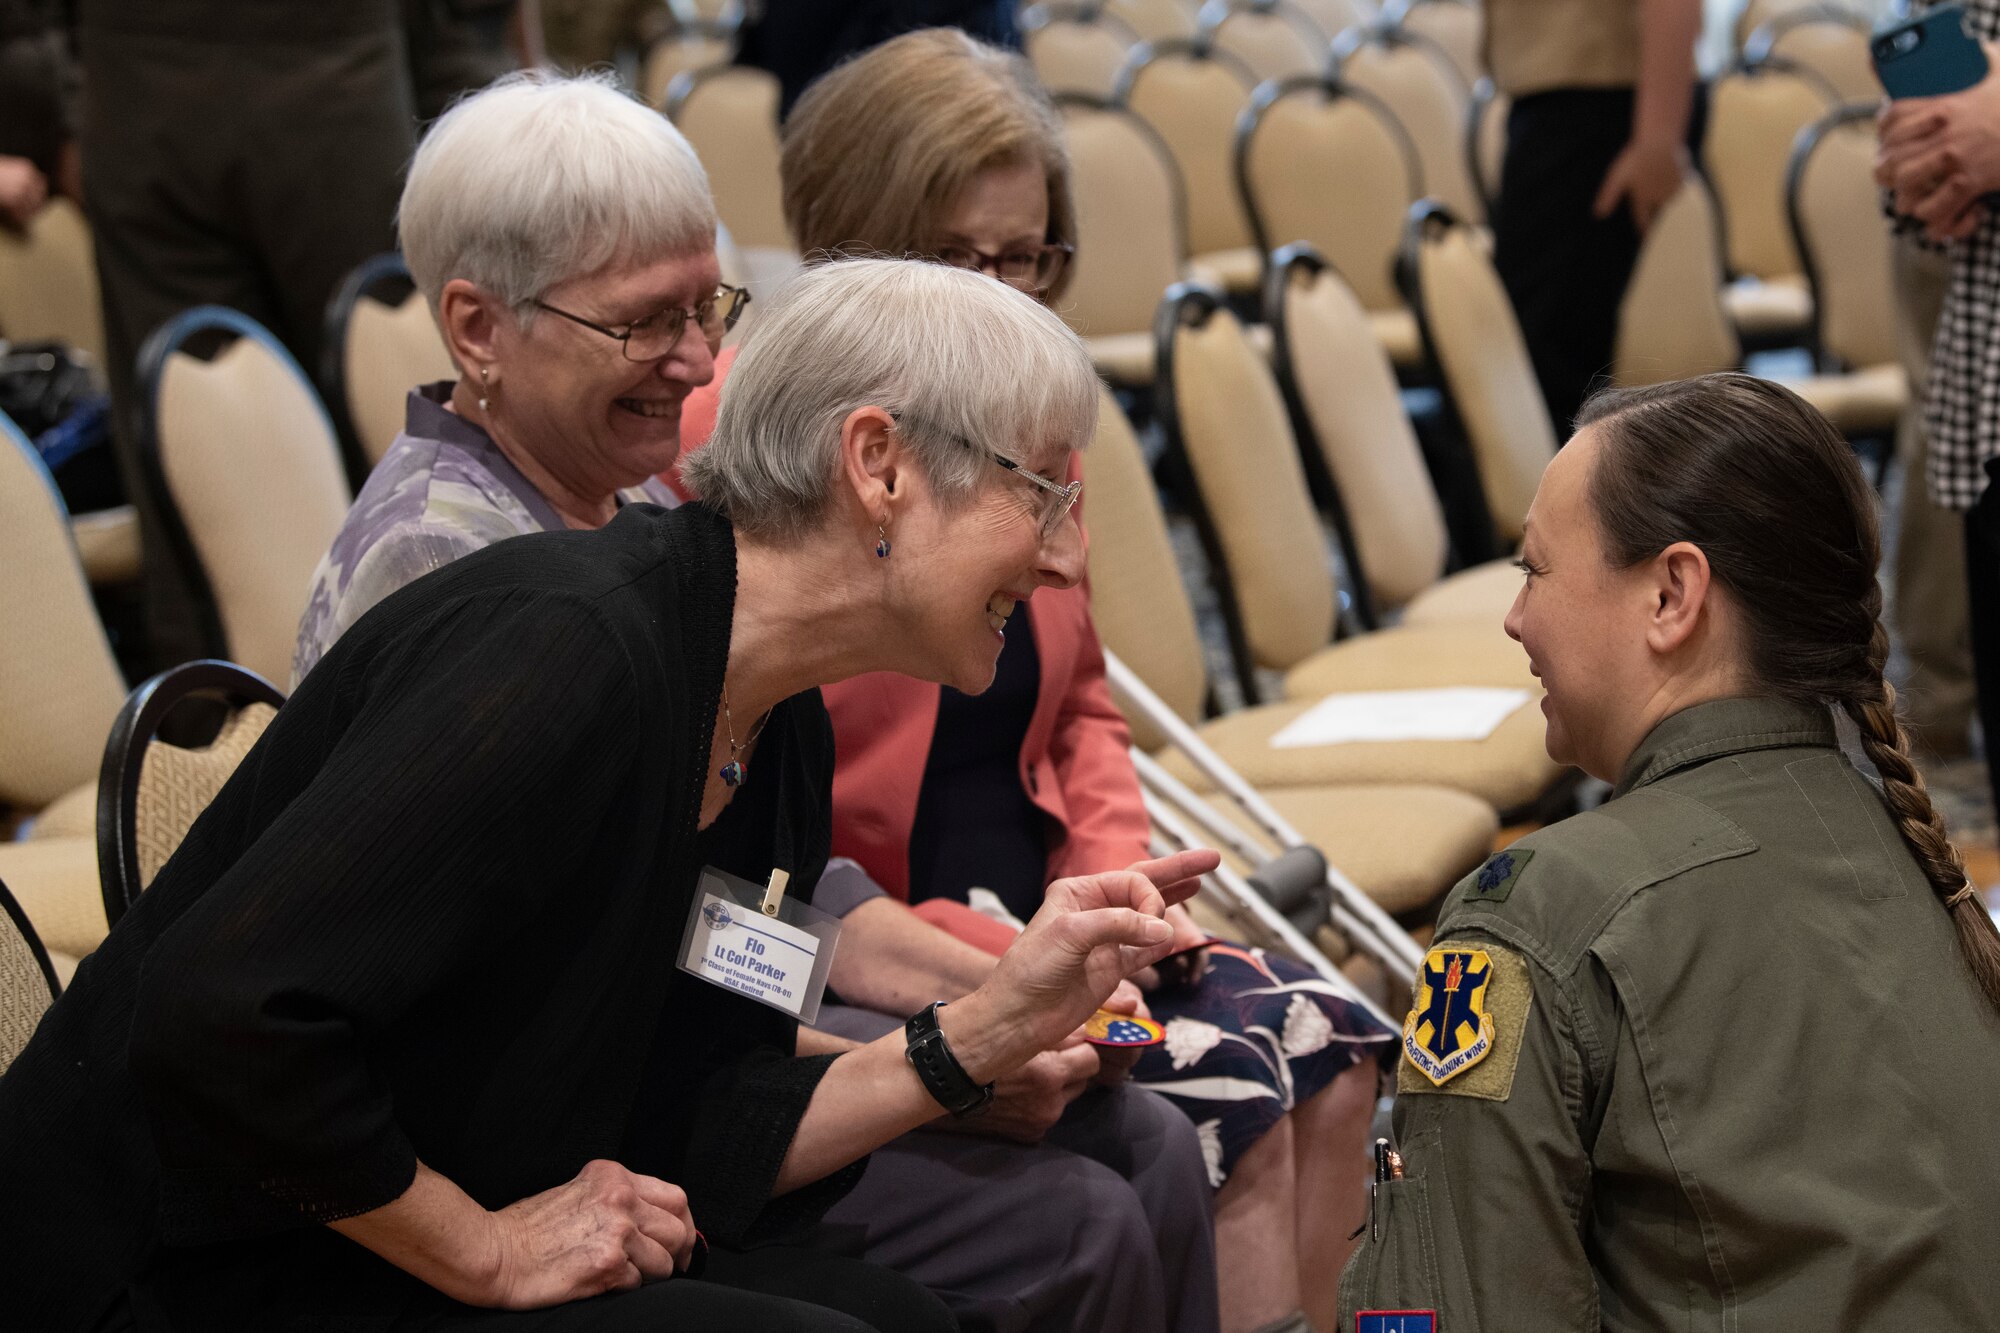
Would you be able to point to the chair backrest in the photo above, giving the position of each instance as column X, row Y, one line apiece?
column 1192, row 94
column 1224, row 414
column 1475, row 341
column 1457, row 26
column 1337, row 16
column 1329, row 166
column 1418, row 84
column 729, row 113
column 48, row 282
column 245, row 473
column 1131, row 225
column 1343, row 393
column 1760, row 14
column 1832, row 43
column 27, row 981
column 1672, row 324
column 1156, row 20
column 381, row 342
column 681, row 52
column 150, row 790
column 59, row 685
column 1844, row 240
column 1754, row 114
column 1075, row 48
column 1486, row 146
column 1276, row 39
column 1140, row 606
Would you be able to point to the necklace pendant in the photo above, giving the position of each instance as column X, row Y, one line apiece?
column 732, row 773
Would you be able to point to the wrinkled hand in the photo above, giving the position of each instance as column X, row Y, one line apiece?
column 1029, row 1100
column 1645, row 174
column 23, row 190
column 607, row 1230
column 1940, row 154
column 1091, row 933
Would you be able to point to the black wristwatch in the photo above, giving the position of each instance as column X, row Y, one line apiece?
column 944, row 1077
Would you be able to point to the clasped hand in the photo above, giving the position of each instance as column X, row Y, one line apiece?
column 1940, row 155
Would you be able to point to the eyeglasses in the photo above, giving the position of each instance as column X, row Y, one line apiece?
column 1029, row 270
column 1056, row 499
column 653, row 337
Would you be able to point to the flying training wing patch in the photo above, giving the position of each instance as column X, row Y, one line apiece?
column 1471, row 1007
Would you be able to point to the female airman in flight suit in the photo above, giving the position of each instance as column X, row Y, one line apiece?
column 1723, row 1053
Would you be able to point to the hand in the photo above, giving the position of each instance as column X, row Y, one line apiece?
column 1940, row 154
column 1114, row 1063
column 1645, row 175
column 1027, row 1101
column 1091, row 933
column 23, row 190
column 608, row 1230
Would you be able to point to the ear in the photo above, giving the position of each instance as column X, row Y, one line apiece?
column 470, row 320
column 1681, row 586
column 874, row 462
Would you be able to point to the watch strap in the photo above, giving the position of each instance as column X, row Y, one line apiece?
column 942, row 1075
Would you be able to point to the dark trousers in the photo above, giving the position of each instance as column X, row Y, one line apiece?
column 1565, row 269
column 247, row 169
column 1982, row 586
column 776, row 1290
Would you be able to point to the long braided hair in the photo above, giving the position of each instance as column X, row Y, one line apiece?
column 1749, row 472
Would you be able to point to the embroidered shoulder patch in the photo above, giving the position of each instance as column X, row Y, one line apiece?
column 1395, row 1321
column 1463, row 1035
column 1497, row 877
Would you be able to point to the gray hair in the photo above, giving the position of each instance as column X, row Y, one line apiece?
column 959, row 356
column 539, row 179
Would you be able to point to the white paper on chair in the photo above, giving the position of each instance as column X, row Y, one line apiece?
column 1460, row 713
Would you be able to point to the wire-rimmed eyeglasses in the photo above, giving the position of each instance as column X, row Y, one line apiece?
column 1057, row 499
column 653, row 337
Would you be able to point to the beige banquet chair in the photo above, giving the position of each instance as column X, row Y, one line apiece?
column 1671, row 321
column 1075, row 47
column 1758, row 14
column 245, row 472
column 381, row 342
column 1353, row 429
column 1230, row 437
column 28, row 981
column 1131, row 235
column 1456, row 26
column 1418, row 83
column 48, row 292
column 1192, row 94
column 150, row 789
column 1156, row 20
column 1486, row 140
column 59, row 690
column 1328, row 165
column 1402, row 843
column 1845, row 245
column 1337, row 16
column 1755, row 113
column 1830, row 41
column 729, row 113
column 1474, row 341
column 1275, row 39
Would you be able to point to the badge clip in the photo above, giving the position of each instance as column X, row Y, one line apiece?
column 774, row 892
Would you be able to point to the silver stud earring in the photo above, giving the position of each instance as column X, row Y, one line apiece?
column 484, row 371
column 882, row 544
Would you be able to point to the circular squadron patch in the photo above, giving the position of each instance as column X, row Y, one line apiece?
column 1108, row 1029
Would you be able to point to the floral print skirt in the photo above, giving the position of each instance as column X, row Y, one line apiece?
column 1255, row 1037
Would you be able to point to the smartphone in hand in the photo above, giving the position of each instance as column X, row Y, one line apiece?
column 1928, row 56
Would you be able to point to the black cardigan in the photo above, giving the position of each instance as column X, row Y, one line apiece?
column 434, row 914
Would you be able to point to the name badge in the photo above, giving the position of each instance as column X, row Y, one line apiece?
column 758, row 943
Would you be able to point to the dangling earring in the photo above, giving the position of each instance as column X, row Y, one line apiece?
column 882, row 545
column 484, row 371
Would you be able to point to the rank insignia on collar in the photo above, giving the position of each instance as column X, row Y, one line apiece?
column 1448, row 1030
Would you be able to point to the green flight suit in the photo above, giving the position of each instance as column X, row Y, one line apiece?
column 1735, row 1073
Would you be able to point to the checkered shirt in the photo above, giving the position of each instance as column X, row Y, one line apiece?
column 1962, row 402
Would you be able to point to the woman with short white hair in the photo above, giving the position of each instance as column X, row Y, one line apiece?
column 421, row 1028
column 564, row 236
